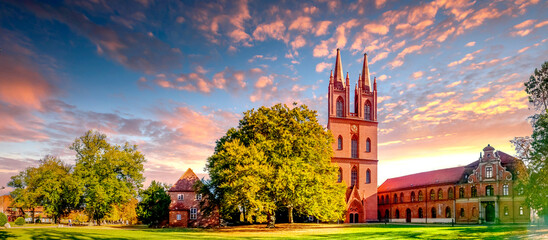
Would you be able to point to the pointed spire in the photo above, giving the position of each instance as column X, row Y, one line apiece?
column 347, row 80
column 375, row 84
column 366, row 81
column 331, row 76
column 338, row 68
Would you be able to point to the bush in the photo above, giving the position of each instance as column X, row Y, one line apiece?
column 19, row 221
column 3, row 219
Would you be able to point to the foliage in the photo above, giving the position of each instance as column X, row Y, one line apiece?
column 124, row 212
column 537, row 88
column 49, row 185
column 3, row 219
column 20, row 221
column 78, row 216
column 154, row 206
column 276, row 157
column 109, row 174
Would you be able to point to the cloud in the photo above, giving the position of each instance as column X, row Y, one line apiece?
column 417, row 75
column 468, row 57
column 264, row 81
column 275, row 30
column 525, row 24
column 322, row 28
column 298, row 42
column 322, row 66
column 383, row 77
column 302, row 23
column 376, row 28
column 379, row 56
column 470, row 44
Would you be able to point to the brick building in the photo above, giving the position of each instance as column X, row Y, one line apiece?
column 482, row 191
column 355, row 143
column 184, row 210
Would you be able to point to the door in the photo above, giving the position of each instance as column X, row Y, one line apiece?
column 351, row 218
column 490, row 212
column 356, row 218
column 408, row 215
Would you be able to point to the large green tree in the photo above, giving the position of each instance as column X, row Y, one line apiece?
column 534, row 150
column 278, row 157
column 109, row 174
column 154, row 206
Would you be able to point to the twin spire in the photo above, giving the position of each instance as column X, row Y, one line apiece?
column 364, row 80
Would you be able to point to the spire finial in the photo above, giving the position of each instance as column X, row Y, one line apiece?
column 338, row 75
column 366, row 81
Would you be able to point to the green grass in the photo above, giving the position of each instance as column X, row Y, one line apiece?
column 282, row 231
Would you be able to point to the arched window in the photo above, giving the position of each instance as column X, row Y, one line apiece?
column 506, row 211
column 387, row 199
column 340, row 107
column 401, row 197
column 368, row 145
column 397, row 213
column 440, row 194
column 432, row 195
column 505, row 190
column 340, row 175
column 447, row 212
column 395, row 198
column 353, row 176
column 462, row 212
column 433, row 210
column 412, row 196
column 339, row 143
column 421, row 214
column 420, row 196
column 474, row 212
column 368, row 176
column 386, row 214
column 367, row 110
column 489, row 190
column 354, row 147
column 450, row 194
column 474, row 191
column 461, row 192
column 382, row 199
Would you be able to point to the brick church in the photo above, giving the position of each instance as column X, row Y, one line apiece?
column 355, row 145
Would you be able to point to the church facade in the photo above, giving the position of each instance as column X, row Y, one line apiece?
column 355, row 140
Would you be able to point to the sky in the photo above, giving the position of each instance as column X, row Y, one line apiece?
column 174, row 76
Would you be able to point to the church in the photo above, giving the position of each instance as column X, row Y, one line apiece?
column 355, row 145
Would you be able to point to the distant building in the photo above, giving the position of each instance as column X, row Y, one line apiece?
column 184, row 210
column 482, row 191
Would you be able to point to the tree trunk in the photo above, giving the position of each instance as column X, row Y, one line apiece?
column 270, row 220
column 290, row 213
column 33, row 215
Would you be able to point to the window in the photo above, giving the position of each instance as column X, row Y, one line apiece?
column 421, row 214
column 368, row 176
column 368, row 145
column 474, row 191
column 462, row 212
column 387, row 199
column 395, row 198
column 193, row 213
column 461, row 192
column 440, row 194
column 382, row 199
column 412, row 196
column 198, row 197
column 367, row 111
column 447, row 212
column 489, row 190
column 339, row 143
column 432, row 195
column 474, row 212
column 340, row 105
column 354, row 147
column 397, row 213
column 420, row 196
column 505, row 210
column 401, row 197
column 488, row 172
column 386, row 214
column 505, row 190
column 178, row 217
column 340, row 175
column 353, row 176
column 520, row 210
column 180, row 197
column 433, row 210
column 450, row 194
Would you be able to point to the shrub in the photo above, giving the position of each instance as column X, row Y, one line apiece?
column 3, row 219
column 19, row 221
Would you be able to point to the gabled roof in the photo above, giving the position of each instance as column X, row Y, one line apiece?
column 185, row 182
column 441, row 176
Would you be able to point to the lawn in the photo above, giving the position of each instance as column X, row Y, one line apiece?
column 282, row 231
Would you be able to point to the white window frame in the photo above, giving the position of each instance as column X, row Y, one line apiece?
column 198, row 197
column 488, row 172
column 178, row 217
column 193, row 213
column 505, row 188
column 180, row 197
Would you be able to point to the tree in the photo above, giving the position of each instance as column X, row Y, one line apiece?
column 277, row 157
column 109, row 174
column 537, row 88
column 154, row 206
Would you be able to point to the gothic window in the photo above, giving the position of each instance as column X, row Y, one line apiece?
column 505, row 210
column 353, row 176
column 447, row 212
column 368, row 176
column 433, row 211
column 421, row 214
column 397, row 213
column 432, row 195
column 339, row 143
column 368, row 145
column 462, row 212
column 440, row 194
column 367, row 110
column 354, row 147
column 505, row 190
column 489, row 190
column 401, row 197
column 450, row 194
column 412, row 196
column 420, row 196
column 340, row 175
column 340, row 105
column 461, row 192
column 474, row 191
column 395, row 198
column 488, row 172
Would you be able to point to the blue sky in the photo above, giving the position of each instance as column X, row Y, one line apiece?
column 173, row 76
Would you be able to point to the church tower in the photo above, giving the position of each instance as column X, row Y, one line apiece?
column 355, row 145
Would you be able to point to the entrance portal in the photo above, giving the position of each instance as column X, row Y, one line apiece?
column 408, row 215
column 356, row 218
column 490, row 212
column 351, row 218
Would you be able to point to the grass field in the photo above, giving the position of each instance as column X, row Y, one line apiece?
column 282, row 231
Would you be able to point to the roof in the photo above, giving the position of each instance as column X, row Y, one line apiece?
column 441, row 176
column 185, row 182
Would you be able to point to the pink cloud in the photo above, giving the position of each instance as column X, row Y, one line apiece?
column 322, row 28
column 322, row 66
column 275, row 30
column 298, row 42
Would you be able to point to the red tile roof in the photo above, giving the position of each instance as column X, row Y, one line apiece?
column 448, row 175
column 185, row 183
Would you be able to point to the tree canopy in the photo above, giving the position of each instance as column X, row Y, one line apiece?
column 154, row 205
column 278, row 157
